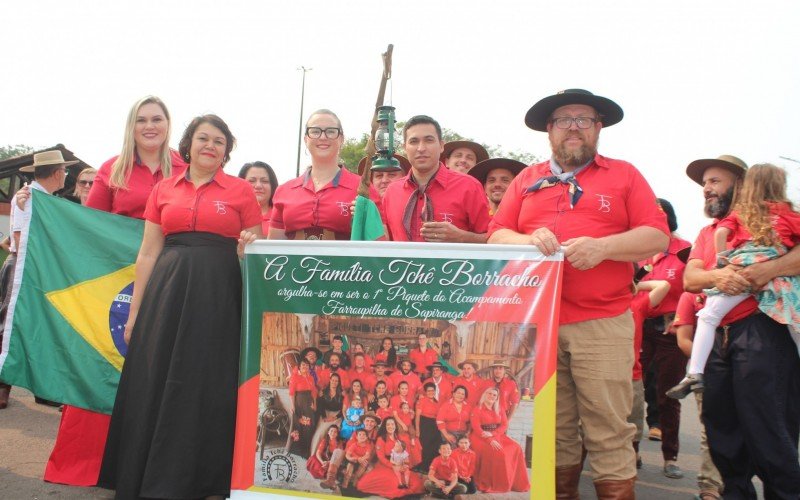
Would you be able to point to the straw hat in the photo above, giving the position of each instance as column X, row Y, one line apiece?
column 732, row 164
column 47, row 159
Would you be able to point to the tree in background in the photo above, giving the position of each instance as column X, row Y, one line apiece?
column 12, row 151
column 353, row 149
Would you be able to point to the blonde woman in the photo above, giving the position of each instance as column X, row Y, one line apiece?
column 316, row 205
column 121, row 186
column 124, row 182
column 84, row 184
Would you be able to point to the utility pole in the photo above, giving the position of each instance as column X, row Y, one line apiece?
column 302, row 101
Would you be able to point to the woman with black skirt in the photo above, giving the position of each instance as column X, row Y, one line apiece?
column 303, row 393
column 171, row 433
column 425, row 420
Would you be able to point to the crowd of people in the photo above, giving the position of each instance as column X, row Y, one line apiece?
column 386, row 429
column 599, row 211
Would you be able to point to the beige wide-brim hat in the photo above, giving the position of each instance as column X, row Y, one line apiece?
column 732, row 164
column 47, row 159
column 500, row 363
column 480, row 151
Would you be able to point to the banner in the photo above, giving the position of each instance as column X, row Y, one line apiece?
column 73, row 283
column 488, row 311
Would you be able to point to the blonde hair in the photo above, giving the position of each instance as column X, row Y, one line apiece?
column 496, row 405
column 762, row 183
column 121, row 169
column 87, row 170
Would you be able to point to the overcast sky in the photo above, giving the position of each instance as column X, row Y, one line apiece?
column 696, row 79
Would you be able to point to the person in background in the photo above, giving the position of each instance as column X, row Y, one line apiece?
column 495, row 176
column 462, row 156
column 316, row 205
column 442, row 480
column 84, row 184
column 121, row 186
column 264, row 182
column 382, row 177
column 317, row 465
column 171, row 432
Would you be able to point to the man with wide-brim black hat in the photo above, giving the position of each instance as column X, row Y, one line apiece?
column 604, row 215
column 749, row 403
column 462, row 156
column 495, row 175
column 49, row 172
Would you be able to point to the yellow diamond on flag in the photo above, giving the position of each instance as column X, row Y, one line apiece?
column 86, row 307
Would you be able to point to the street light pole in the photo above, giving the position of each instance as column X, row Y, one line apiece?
column 300, row 133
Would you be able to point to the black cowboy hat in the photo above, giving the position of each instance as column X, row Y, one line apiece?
column 482, row 169
column 413, row 365
column 468, row 362
column 313, row 349
column 537, row 117
column 732, row 164
column 379, row 362
column 435, row 364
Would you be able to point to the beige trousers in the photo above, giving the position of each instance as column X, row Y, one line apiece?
column 595, row 359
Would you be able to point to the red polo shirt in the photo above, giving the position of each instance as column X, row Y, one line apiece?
column 224, row 205
column 427, row 407
column 456, row 198
column 444, row 387
column 466, row 461
column 668, row 267
column 354, row 449
column 296, row 206
column 444, row 469
column 509, row 392
column 298, row 382
column 704, row 250
column 688, row 305
column 475, row 387
column 639, row 307
column 616, row 198
column 367, row 379
column 451, row 420
column 411, row 378
column 324, row 376
column 785, row 223
column 129, row 202
column 422, row 360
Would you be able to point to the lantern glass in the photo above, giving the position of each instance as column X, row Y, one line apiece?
column 383, row 138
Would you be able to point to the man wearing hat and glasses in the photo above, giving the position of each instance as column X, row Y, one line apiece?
column 750, row 399
column 49, row 173
column 605, row 215
column 462, row 156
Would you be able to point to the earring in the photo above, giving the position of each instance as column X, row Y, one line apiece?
column 186, row 156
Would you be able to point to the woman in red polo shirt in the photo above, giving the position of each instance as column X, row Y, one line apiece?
column 453, row 416
column 121, row 187
column 316, row 205
column 171, row 433
column 425, row 423
column 381, row 480
column 303, row 392
column 501, row 464
column 264, row 182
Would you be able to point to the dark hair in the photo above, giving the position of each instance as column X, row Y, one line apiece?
column 391, row 358
column 338, row 337
column 466, row 392
column 273, row 179
column 381, row 382
column 186, row 141
column 382, row 431
column 46, row 171
column 422, row 120
column 429, row 385
column 672, row 220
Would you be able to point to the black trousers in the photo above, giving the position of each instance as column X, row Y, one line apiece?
column 751, row 408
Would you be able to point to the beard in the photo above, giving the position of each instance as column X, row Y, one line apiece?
column 573, row 157
column 718, row 207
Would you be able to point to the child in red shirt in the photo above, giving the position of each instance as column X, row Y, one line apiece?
column 466, row 461
column 358, row 454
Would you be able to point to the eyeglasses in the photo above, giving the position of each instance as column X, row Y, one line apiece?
column 316, row 132
column 86, row 183
column 565, row 122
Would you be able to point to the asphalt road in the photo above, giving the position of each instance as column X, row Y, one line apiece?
column 27, row 432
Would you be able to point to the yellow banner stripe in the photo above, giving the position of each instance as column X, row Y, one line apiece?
column 543, row 464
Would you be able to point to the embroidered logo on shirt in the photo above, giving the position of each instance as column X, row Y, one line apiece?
column 447, row 217
column 670, row 274
column 344, row 208
column 605, row 202
column 220, row 206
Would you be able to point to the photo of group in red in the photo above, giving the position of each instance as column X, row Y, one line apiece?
column 397, row 408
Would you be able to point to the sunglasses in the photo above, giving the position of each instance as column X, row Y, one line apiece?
column 85, row 183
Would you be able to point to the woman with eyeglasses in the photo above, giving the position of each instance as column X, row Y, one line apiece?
column 84, row 184
column 316, row 205
column 121, row 186
column 264, row 182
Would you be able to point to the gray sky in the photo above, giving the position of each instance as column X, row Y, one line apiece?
column 696, row 79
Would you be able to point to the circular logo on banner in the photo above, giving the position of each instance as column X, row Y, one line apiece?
column 278, row 467
column 118, row 316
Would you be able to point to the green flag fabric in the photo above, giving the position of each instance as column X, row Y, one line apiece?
column 367, row 223
column 71, row 295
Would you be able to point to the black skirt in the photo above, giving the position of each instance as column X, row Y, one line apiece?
column 171, row 433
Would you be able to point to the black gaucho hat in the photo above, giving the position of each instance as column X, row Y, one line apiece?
column 482, row 169
column 536, row 117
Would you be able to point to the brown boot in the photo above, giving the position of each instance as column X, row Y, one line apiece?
column 330, row 479
column 615, row 490
column 5, row 389
column 567, row 479
column 348, row 473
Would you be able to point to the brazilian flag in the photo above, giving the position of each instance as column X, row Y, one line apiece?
column 71, row 295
